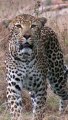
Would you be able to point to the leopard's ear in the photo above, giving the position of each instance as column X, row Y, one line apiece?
column 6, row 23
column 43, row 20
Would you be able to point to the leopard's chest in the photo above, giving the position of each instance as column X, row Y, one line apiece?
column 26, row 72
column 30, row 75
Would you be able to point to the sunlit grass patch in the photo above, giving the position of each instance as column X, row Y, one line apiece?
column 53, row 103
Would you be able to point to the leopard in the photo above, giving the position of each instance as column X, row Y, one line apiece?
column 33, row 54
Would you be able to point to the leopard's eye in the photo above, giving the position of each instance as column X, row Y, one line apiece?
column 32, row 26
column 18, row 25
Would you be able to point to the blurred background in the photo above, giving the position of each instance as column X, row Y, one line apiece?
column 56, row 12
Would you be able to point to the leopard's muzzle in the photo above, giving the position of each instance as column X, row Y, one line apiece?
column 25, row 45
column 26, row 48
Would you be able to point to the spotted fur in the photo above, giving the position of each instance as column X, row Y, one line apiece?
column 34, row 52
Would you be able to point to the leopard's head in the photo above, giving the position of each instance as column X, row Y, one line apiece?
column 25, row 33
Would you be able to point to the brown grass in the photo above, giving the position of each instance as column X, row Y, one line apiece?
column 59, row 23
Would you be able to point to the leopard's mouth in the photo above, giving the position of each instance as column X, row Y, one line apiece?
column 26, row 48
column 25, row 45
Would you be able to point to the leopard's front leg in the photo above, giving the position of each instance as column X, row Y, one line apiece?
column 14, row 94
column 40, row 102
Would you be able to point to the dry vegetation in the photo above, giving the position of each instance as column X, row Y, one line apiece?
column 58, row 20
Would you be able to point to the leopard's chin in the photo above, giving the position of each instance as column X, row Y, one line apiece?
column 26, row 51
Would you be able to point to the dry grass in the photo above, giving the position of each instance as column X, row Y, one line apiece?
column 60, row 25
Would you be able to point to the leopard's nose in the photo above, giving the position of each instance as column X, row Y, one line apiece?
column 26, row 36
